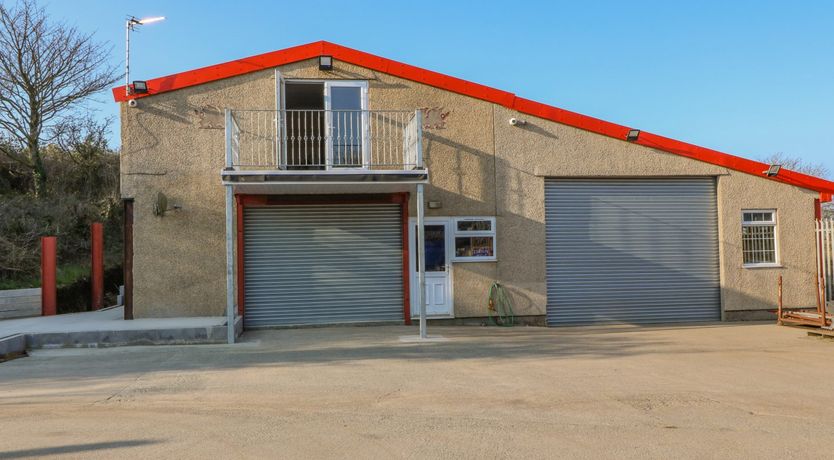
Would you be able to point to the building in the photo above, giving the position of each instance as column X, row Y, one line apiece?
column 320, row 151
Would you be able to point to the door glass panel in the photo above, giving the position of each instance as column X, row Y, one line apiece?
column 346, row 126
column 435, row 249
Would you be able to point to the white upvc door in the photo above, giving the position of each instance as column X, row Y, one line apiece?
column 438, row 292
column 348, row 125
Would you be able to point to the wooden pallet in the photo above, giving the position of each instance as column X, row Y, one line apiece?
column 813, row 331
column 824, row 333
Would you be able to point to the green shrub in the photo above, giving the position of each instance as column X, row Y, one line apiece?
column 81, row 190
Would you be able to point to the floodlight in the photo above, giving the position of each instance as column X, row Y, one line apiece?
column 325, row 62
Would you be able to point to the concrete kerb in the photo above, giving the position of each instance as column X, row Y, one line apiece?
column 418, row 339
column 105, row 328
column 118, row 338
column 12, row 345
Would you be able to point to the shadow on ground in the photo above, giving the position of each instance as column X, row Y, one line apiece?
column 324, row 346
column 75, row 448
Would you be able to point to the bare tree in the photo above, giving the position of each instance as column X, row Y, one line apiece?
column 798, row 165
column 82, row 138
column 46, row 70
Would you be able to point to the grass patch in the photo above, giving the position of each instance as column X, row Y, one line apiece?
column 19, row 284
column 65, row 275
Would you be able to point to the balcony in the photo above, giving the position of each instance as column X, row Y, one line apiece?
column 324, row 146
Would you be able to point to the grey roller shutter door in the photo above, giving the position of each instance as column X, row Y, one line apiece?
column 631, row 250
column 322, row 264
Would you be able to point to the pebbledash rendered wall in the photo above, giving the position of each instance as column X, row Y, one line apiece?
column 479, row 166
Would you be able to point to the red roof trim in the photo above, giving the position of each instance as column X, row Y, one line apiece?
column 486, row 93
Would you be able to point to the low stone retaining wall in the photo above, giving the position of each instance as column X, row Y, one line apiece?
column 102, row 339
column 20, row 303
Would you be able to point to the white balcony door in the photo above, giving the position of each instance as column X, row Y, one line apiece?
column 438, row 292
column 346, row 105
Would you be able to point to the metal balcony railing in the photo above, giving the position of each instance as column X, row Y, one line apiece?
column 293, row 140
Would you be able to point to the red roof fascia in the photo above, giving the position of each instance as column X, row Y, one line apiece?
column 224, row 70
column 475, row 90
column 726, row 160
column 410, row 72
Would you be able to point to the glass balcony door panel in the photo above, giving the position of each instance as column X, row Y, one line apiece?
column 304, row 125
column 346, row 103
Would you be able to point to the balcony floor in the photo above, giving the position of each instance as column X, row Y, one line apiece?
column 333, row 176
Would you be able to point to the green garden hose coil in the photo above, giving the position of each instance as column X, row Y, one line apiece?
column 500, row 309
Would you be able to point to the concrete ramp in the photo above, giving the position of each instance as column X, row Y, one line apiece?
column 107, row 328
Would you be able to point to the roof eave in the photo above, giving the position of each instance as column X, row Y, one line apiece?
column 506, row 99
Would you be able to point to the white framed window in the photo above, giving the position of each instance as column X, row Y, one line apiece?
column 759, row 246
column 473, row 239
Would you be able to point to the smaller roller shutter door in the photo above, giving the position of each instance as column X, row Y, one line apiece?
column 322, row 264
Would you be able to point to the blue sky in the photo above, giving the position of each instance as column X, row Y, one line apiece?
column 750, row 78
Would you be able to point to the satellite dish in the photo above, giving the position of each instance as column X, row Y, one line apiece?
column 161, row 204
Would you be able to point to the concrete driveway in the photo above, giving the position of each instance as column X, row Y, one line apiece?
column 711, row 391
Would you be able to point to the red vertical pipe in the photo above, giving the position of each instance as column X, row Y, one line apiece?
column 820, row 259
column 779, row 303
column 97, row 265
column 49, row 289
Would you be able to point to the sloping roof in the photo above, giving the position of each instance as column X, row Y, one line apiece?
column 475, row 90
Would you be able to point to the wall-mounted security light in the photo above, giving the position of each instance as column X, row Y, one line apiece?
column 140, row 87
column 435, row 205
column 633, row 134
column 325, row 62
column 773, row 170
